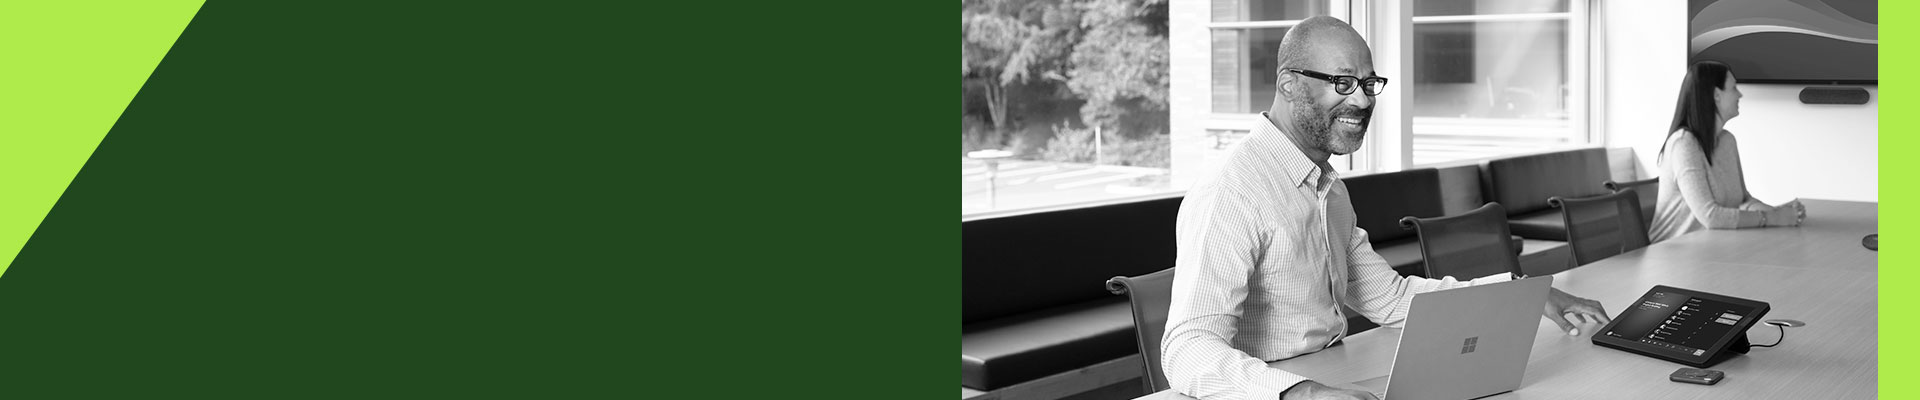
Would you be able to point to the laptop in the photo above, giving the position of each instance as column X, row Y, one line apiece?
column 1465, row 343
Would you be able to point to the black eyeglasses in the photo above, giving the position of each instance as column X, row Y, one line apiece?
column 1344, row 84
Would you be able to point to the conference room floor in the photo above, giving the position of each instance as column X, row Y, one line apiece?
column 1818, row 273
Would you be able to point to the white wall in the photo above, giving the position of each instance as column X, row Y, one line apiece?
column 1789, row 149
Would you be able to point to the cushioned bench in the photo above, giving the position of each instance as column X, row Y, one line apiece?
column 1033, row 300
column 1380, row 200
column 1033, row 345
column 1523, row 184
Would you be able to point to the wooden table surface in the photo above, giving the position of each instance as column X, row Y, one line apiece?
column 1817, row 273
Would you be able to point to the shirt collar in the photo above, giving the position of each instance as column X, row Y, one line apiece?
column 1294, row 163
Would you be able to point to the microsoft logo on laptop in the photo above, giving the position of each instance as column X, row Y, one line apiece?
column 1467, row 347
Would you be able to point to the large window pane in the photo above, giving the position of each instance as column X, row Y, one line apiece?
column 1244, row 63
column 1493, row 87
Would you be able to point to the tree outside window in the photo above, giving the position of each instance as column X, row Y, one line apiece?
column 1065, row 84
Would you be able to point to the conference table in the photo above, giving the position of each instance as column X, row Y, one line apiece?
column 1818, row 273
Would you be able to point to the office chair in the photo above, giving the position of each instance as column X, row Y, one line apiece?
column 1151, row 296
column 1356, row 323
column 1602, row 226
column 1649, row 191
column 1466, row 246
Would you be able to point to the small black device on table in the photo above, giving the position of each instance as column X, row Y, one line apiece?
column 1696, row 375
column 1684, row 326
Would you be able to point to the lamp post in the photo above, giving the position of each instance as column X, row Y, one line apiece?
column 1097, row 154
column 992, row 158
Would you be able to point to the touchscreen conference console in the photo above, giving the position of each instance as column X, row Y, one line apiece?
column 1689, row 327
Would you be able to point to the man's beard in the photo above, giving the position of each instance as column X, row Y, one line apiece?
column 1318, row 126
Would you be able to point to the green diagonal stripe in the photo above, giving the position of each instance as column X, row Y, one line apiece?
column 67, row 70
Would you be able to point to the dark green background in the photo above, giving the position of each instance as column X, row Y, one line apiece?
column 529, row 200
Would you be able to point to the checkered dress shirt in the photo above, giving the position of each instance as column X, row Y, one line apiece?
column 1267, row 251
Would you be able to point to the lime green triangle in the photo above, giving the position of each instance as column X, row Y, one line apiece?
column 67, row 70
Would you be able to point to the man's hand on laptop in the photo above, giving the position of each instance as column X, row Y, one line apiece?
column 1310, row 390
column 1572, row 312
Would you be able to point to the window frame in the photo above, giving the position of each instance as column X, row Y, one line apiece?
column 1583, row 101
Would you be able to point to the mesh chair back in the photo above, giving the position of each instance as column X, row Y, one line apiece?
column 1649, row 191
column 1602, row 226
column 1151, row 296
column 1466, row 246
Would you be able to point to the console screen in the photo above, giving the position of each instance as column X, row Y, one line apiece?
column 1679, row 322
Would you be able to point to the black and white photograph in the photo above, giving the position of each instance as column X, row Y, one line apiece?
column 1419, row 199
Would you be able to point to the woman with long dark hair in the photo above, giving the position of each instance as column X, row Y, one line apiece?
column 1701, row 184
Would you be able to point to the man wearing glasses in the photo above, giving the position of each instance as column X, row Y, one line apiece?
column 1268, row 249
